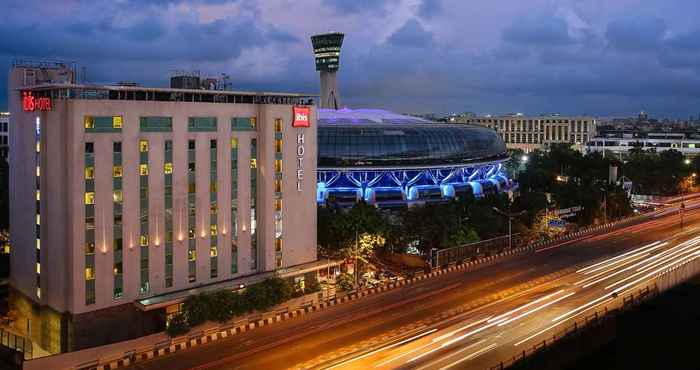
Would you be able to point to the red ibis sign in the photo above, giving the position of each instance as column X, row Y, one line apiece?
column 301, row 117
column 31, row 103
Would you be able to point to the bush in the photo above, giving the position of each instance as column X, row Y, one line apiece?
column 197, row 309
column 178, row 325
column 269, row 293
column 312, row 286
column 345, row 282
column 221, row 305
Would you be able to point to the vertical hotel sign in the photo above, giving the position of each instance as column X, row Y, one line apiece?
column 302, row 119
column 31, row 103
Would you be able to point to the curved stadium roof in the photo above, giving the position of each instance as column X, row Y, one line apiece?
column 373, row 138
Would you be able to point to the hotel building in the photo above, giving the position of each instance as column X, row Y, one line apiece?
column 530, row 133
column 126, row 199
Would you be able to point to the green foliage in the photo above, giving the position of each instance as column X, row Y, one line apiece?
column 345, row 282
column 223, row 305
column 178, row 326
column 197, row 308
column 658, row 173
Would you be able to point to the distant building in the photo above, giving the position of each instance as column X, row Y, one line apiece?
column 4, row 135
column 530, row 133
column 622, row 141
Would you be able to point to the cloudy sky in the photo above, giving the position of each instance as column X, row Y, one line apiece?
column 601, row 57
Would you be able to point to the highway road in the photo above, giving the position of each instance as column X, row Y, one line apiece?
column 471, row 319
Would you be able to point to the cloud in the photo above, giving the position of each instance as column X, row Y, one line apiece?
column 411, row 34
column 358, row 6
column 540, row 30
column 429, row 8
column 636, row 33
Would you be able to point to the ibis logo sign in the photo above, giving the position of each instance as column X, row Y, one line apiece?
column 302, row 117
column 31, row 103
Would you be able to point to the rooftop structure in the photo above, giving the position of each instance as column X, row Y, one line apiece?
column 327, row 53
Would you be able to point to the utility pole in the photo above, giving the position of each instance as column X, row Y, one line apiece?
column 356, row 251
column 605, row 205
column 510, row 221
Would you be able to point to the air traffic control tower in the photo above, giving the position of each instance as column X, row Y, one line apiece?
column 327, row 52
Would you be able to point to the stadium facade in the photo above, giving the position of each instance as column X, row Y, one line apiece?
column 389, row 159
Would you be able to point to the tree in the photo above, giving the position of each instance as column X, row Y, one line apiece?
column 197, row 309
column 177, row 326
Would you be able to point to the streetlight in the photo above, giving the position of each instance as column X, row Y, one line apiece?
column 686, row 161
column 524, row 158
column 605, row 205
column 510, row 221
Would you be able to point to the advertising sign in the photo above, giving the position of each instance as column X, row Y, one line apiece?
column 30, row 103
column 301, row 117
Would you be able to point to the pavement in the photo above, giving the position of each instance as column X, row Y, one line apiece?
column 472, row 319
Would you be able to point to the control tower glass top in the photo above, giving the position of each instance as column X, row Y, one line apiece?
column 327, row 51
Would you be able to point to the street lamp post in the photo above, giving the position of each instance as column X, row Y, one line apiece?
column 510, row 221
column 605, row 205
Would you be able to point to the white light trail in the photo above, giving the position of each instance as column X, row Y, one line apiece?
column 535, row 309
column 473, row 355
column 384, row 348
column 525, row 306
column 617, row 257
column 579, row 308
column 555, row 325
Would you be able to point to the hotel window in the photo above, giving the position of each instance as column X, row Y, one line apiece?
column 213, row 260
column 103, row 123
column 201, row 124
column 144, row 285
column 117, row 122
column 168, row 173
column 117, row 241
column 278, row 192
column 191, row 219
column 90, row 296
column 156, row 124
column 234, row 205
column 253, row 204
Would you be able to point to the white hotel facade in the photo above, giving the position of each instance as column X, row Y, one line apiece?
column 124, row 200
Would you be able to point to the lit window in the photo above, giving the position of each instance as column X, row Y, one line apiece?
column 38, row 219
column 278, row 205
column 38, row 171
column 278, row 125
column 143, row 146
column 143, row 169
column 38, row 147
column 38, row 268
column 192, row 255
column 89, row 273
column 213, row 252
column 89, row 122
column 278, row 186
column 278, row 146
column 168, row 168
column 253, row 163
column 118, row 196
column 278, row 245
column 144, row 240
column 89, row 172
column 117, row 171
column 38, row 195
column 38, row 243
column 38, row 293
column 278, row 165
column 253, row 122
column 117, row 122
column 90, row 197
column 234, row 143
column 212, row 230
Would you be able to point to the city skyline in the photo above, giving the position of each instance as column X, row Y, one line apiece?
column 569, row 57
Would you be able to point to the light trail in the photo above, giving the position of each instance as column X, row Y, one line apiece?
column 384, row 348
column 557, row 324
column 470, row 333
column 579, row 308
column 472, row 356
column 647, row 276
column 525, row 306
column 535, row 309
column 475, row 323
column 617, row 257
column 460, row 351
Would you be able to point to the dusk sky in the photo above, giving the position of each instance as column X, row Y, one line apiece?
column 599, row 57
